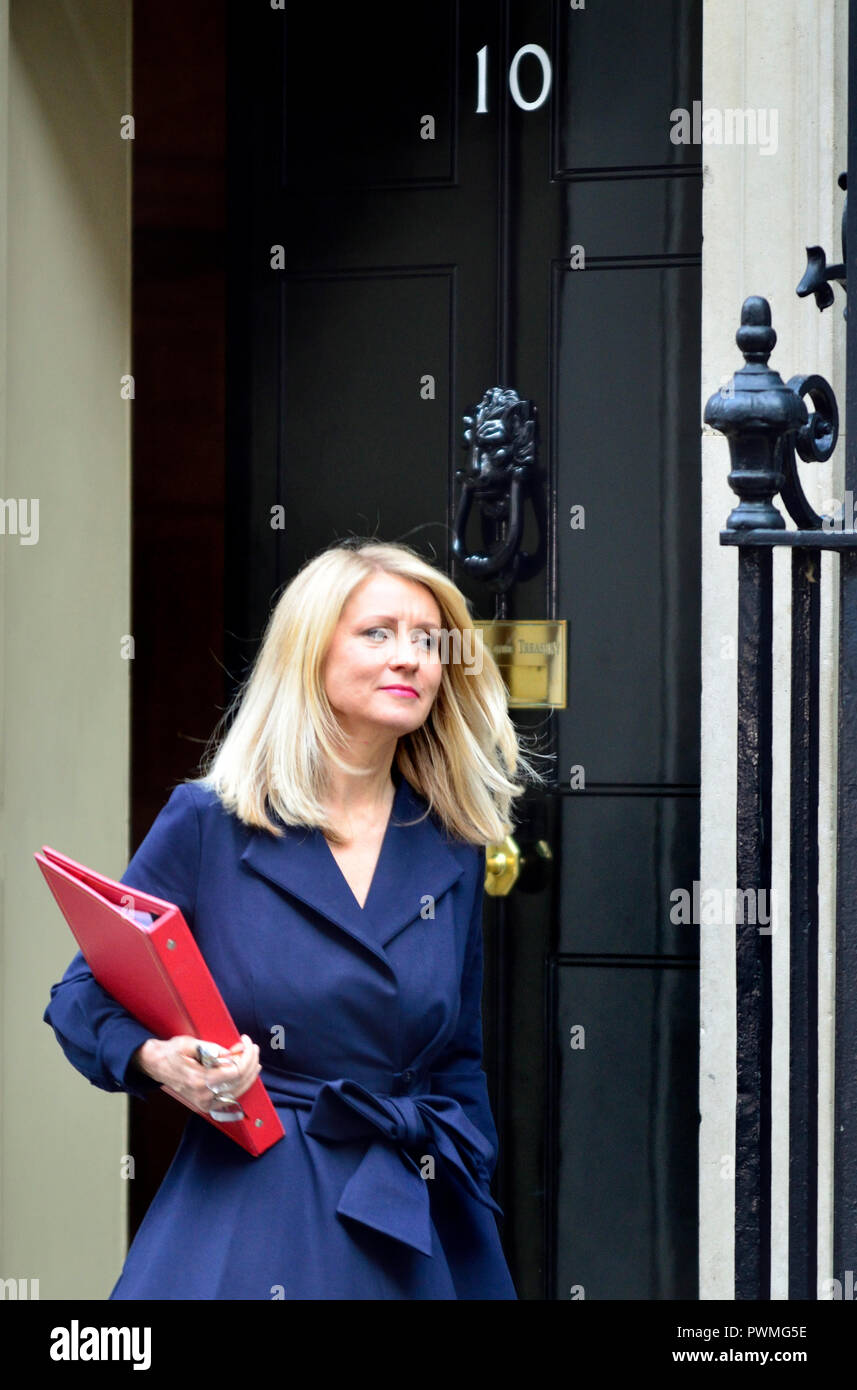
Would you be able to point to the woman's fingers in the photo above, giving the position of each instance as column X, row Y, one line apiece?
column 248, row 1068
column 233, row 1074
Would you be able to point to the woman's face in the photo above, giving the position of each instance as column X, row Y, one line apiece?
column 381, row 670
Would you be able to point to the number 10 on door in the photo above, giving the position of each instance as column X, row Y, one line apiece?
column 533, row 50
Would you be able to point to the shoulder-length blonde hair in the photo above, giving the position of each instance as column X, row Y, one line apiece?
column 283, row 731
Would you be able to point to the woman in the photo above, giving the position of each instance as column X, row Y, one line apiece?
column 330, row 864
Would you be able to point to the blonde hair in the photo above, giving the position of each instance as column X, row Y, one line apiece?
column 462, row 759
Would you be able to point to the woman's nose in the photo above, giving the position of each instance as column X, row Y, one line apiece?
column 406, row 651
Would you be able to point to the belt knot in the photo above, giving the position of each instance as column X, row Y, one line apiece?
column 388, row 1191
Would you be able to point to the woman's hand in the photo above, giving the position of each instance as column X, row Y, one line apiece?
column 174, row 1063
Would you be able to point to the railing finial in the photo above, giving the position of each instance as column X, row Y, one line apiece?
column 756, row 410
column 756, row 338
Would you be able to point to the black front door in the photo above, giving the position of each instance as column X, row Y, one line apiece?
column 426, row 202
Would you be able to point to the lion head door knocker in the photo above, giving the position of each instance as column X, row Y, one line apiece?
column 501, row 475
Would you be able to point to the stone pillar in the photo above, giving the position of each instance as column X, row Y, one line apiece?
column 763, row 204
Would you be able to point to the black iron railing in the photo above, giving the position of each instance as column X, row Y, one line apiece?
column 767, row 424
column 845, row 1059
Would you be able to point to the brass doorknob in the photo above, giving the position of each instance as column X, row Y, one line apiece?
column 502, row 867
column 505, row 865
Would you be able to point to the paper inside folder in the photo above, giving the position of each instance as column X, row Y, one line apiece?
column 143, row 919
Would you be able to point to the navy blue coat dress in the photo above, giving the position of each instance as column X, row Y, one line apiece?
column 369, row 1027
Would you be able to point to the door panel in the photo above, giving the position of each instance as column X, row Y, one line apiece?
column 379, row 334
column 624, row 1144
column 620, row 70
column 405, row 259
column 623, row 855
column 634, row 669
column 357, row 85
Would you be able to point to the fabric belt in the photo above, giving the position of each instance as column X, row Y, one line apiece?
column 387, row 1192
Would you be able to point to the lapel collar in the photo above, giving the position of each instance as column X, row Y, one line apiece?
column 415, row 861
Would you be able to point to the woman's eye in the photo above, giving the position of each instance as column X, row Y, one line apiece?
column 423, row 639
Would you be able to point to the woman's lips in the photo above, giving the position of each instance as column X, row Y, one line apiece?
column 401, row 690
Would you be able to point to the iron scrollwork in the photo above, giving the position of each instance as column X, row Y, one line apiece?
column 818, row 274
column 502, row 436
column 814, row 441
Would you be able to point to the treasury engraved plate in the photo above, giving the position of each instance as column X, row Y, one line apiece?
column 531, row 655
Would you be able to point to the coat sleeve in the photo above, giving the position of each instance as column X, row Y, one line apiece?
column 458, row 1070
column 96, row 1034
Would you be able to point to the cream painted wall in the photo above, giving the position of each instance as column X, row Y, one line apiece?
column 760, row 211
column 65, row 308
